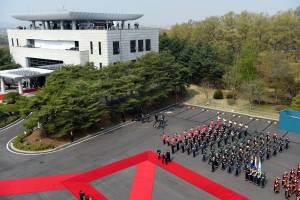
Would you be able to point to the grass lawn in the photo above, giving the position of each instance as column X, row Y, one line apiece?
column 197, row 96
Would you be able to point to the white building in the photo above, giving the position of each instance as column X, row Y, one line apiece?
column 80, row 37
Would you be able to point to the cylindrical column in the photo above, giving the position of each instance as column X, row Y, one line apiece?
column 2, row 85
column 61, row 25
column 20, row 87
column 47, row 25
column 43, row 25
column 33, row 25
column 73, row 25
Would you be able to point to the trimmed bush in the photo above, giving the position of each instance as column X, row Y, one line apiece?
column 218, row 94
column 20, row 143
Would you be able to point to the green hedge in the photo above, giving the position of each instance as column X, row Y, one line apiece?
column 218, row 94
column 19, row 143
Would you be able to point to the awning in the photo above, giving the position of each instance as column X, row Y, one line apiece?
column 25, row 72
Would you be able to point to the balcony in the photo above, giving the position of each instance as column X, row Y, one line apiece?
column 67, row 56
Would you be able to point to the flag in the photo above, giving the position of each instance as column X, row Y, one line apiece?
column 259, row 168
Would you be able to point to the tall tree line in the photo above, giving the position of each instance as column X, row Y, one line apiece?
column 250, row 52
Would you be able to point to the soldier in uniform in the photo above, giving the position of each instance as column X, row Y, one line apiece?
column 298, row 171
column 172, row 147
column 287, row 141
column 277, row 185
column 158, row 153
column 287, row 192
column 204, row 155
column 259, row 179
column 194, row 150
column 182, row 147
column 247, row 173
column 163, row 160
column 263, row 180
column 268, row 153
column 298, row 194
column 213, row 164
column 237, row 168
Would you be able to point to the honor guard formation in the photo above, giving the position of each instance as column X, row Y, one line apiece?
column 290, row 183
column 230, row 147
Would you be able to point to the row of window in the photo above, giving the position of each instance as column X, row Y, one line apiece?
column 140, row 45
column 116, row 46
column 12, row 42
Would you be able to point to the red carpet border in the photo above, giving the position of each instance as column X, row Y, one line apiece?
column 142, row 185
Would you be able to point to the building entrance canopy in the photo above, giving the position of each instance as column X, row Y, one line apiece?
column 23, row 73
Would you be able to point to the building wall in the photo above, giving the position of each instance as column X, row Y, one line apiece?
column 84, row 37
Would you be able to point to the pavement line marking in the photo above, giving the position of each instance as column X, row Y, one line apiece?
column 10, row 126
column 190, row 117
column 269, row 118
column 63, row 148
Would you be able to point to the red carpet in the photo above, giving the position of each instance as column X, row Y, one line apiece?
column 201, row 182
column 142, row 185
column 35, row 184
column 141, row 188
column 75, row 188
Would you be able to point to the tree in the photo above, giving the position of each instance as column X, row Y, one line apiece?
column 296, row 102
column 69, row 101
column 203, row 64
column 253, row 90
column 276, row 71
column 6, row 60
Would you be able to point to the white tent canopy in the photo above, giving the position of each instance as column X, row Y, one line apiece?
column 20, row 74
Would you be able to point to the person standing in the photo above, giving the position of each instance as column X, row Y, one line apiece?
column 81, row 195
column 71, row 136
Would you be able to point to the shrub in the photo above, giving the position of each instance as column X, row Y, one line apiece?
column 20, row 143
column 11, row 98
column 218, row 94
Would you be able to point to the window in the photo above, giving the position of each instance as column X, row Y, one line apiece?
column 100, row 65
column 132, row 46
column 99, row 46
column 141, row 45
column 148, row 45
column 17, row 42
column 30, row 43
column 76, row 45
column 12, row 42
column 91, row 47
column 116, row 47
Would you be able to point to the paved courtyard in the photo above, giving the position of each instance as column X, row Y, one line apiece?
column 136, row 138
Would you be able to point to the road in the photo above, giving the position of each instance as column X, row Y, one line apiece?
column 138, row 137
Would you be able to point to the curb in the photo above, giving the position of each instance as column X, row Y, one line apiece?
column 240, row 113
column 12, row 149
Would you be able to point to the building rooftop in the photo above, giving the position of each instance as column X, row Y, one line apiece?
column 70, row 15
